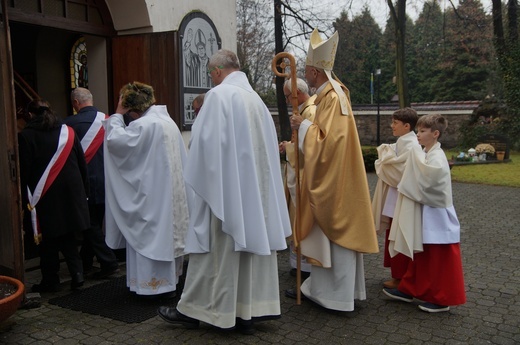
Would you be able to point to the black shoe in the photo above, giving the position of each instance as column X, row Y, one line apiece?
column 291, row 293
column 172, row 315
column 304, row 274
column 31, row 304
column 105, row 273
column 245, row 326
column 76, row 285
column 43, row 287
column 77, row 281
column 266, row 318
column 398, row 295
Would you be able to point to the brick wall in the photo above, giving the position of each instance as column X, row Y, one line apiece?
column 366, row 119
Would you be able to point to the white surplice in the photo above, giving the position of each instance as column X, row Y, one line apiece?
column 425, row 211
column 146, row 204
column 389, row 169
column 238, row 213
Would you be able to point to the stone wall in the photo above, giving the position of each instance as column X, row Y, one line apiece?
column 366, row 119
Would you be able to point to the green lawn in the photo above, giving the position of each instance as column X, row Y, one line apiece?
column 500, row 174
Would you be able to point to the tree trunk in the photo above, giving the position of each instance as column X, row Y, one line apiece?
column 399, row 19
column 283, row 115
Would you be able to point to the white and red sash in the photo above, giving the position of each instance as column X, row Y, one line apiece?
column 94, row 137
column 54, row 167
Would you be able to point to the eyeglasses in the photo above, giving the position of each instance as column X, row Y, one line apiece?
column 214, row 68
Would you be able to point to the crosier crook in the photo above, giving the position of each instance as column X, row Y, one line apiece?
column 279, row 70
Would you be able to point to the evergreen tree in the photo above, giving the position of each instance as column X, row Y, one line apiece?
column 427, row 41
column 507, row 47
column 467, row 55
column 358, row 55
column 389, row 92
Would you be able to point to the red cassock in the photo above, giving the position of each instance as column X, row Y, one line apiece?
column 398, row 264
column 435, row 275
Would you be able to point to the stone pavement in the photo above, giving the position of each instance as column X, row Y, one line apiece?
column 490, row 245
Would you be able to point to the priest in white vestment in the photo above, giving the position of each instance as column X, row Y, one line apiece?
column 146, row 203
column 238, row 213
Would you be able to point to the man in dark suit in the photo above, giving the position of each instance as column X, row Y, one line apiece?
column 87, row 125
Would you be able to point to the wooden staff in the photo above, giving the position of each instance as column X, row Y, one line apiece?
column 279, row 70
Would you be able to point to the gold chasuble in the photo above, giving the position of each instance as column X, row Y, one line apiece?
column 334, row 192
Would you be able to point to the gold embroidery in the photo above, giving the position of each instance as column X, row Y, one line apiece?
column 37, row 239
column 154, row 283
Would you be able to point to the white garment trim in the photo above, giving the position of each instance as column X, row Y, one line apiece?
column 34, row 198
column 93, row 131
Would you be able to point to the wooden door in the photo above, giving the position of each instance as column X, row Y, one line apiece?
column 152, row 59
column 11, row 242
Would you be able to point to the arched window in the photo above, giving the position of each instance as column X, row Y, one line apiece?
column 78, row 64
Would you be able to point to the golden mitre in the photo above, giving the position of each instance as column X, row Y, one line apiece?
column 321, row 54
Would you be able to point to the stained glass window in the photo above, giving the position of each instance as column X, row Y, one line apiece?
column 78, row 64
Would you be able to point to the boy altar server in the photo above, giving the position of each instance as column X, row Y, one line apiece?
column 389, row 168
column 426, row 227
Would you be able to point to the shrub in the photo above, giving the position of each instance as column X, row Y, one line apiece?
column 369, row 157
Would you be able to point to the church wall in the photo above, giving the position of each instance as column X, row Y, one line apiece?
column 132, row 17
column 137, row 16
column 457, row 114
column 98, row 78
column 367, row 127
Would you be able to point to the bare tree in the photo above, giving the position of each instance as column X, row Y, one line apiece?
column 294, row 22
column 298, row 20
column 255, row 42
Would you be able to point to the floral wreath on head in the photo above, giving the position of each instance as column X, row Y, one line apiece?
column 137, row 96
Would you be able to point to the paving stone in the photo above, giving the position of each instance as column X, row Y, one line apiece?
column 490, row 244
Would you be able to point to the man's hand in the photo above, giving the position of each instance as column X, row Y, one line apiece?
column 281, row 146
column 296, row 120
column 120, row 109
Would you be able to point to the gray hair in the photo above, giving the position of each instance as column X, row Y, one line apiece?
column 82, row 95
column 224, row 58
column 300, row 84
